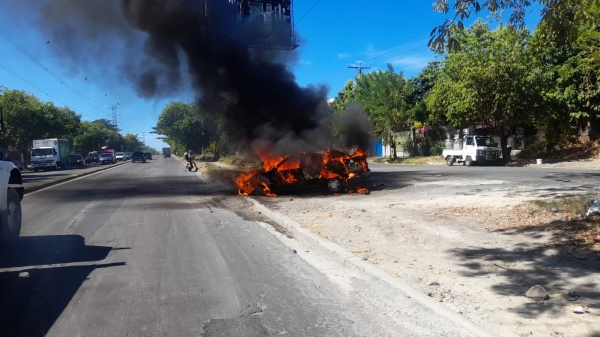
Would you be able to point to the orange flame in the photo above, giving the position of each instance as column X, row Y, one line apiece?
column 286, row 167
column 249, row 182
column 362, row 190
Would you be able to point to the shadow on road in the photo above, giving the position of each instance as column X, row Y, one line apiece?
column 550, row 265
column 32, row 299
column 51, row 249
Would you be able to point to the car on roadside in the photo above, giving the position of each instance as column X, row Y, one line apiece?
column 148, row 155
column 76, row 160
column 332, row 169
column 92, row 157
column 120, row 156
column 107, row 158
column 127, row 156
column 138, row 156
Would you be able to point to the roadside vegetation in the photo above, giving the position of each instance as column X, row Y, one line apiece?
column 28, row 118
column 543, row 82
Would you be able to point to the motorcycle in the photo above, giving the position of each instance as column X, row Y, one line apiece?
column 188, row 165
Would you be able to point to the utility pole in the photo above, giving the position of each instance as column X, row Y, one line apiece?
column 114, row 115
column 359, row 68
column 144, row 138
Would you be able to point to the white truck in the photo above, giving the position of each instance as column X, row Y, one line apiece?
column 473, row 149
column 50, row 154
column 11, row 194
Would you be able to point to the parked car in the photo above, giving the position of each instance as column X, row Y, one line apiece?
column 76, row 160
column 127, row 156
column 138, row 156
column 107, row 158
column 92, row 157
column 148, row 155
column 120, row 156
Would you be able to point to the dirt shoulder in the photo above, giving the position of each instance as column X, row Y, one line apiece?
column 479, row 261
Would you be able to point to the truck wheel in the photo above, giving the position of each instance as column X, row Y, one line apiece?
column 449, row 160
column 469, row 161
column 11, row 219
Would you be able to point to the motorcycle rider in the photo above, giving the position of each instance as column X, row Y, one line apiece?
column 189, row 157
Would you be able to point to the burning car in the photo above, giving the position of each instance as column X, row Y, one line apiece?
column 333, row 169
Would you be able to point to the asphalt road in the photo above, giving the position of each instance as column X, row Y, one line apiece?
column 147, row 249
column 545, row 181
column 30, row 177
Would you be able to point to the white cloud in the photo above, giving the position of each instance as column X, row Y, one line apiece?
column 412, row 62
column 343, row 56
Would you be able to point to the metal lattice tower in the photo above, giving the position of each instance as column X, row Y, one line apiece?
column 115, row 115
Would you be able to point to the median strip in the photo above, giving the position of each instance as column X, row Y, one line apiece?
column 38, row 185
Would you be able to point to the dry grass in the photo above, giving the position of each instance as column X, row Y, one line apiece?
column 239, row 161
column 569, row 150
column 560, row 216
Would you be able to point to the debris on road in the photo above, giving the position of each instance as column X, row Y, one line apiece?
column 571, row 296
column 537, row 292
column 594, row 208
column 558, row 210
column 580, row 309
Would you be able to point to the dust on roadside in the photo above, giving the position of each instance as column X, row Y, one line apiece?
column 470, row 262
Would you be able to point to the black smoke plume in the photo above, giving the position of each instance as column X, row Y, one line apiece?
column 161, row 47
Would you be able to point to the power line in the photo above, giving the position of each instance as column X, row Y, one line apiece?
column 31, row 84
column 310, row 10
column 339, row 74
column 395, row 48
column 6, row 36
column 36, row 87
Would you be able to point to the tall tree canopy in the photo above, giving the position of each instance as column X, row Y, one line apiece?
column 489, row 80
column 384, row 96
column 27, row 118
column 562, row 18
column 184, row 128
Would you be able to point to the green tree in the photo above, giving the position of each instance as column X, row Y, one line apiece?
column 339, row 104
column 345, row 96
column 489, row 80
column 571, row 89
column 94, row 135
column 384, row 96
column 421, row 86
column 562, row 18
column 186, row 128
column 131, row 143
column 27, row 118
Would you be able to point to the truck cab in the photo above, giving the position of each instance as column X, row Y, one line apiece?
column 50, row 154
column 473, row 149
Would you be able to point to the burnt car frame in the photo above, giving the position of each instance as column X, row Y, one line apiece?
column 333, row 169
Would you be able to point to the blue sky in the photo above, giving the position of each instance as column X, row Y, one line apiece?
column 333, row 36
